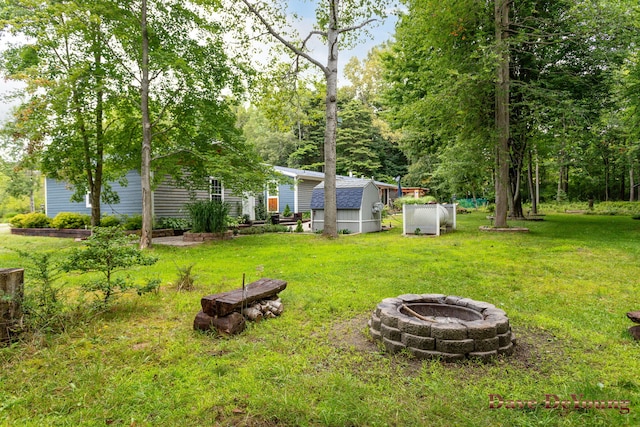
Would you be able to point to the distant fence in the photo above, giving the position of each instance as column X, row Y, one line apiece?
column 472, row 203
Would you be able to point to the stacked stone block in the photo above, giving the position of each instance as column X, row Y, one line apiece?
column 447, row 338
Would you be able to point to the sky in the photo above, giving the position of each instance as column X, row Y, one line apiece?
column 381, row 32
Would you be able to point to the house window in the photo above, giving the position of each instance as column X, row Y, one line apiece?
column 216, row 190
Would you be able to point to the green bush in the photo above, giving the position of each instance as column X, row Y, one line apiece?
column 299, row 228
column 133, row 222
column 173, row 223
column 44, row 306
column 30, row 220
column 208, row 216
column 251, row 230
column 275, row 228
column 109, row 221
column 287, row 211
column 109, row 250
column 16, row 221
column 397, row 203
column 70, row 220
column 267, row 228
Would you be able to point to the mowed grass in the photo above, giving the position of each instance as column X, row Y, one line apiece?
column 566, row 286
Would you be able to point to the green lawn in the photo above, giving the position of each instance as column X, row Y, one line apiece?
column 566, row 286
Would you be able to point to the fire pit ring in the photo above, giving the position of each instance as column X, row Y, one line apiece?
column 450, row 328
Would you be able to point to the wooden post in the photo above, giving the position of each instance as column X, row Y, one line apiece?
column 11, row 295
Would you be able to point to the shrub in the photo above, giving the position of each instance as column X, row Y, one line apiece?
column 70, row 220
column 299, row 228
column 107, row 251
column 208, row 216
column 173, row 223
column 133, row 222
column 287, row 211
column 185, row 279
column 16, row 221
column 30, row 220
column 275, row 228
column 397, row 203
column 251, row 230
column 109, row 221
column 43, row 304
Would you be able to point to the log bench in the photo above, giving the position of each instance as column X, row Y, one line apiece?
column 221, row 311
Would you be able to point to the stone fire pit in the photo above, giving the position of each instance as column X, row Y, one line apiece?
column 439, row 326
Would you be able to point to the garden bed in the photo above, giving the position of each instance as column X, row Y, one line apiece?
column 77, row 233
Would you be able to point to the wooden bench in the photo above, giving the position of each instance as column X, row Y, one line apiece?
column 227, row 302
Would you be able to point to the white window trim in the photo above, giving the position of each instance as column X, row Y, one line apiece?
column 211, row 194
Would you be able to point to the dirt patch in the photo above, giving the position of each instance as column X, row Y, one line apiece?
column 352, row 334
column 536, row 349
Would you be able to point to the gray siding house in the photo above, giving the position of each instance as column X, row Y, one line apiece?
column 168, row 200
column 358, row 203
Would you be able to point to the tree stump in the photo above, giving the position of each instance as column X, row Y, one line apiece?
column 11, row 296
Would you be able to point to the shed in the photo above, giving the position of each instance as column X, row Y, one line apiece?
column 297, row 194
column 358, row 204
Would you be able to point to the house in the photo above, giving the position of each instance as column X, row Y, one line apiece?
column 298, row 189
column 168, row 200
column 359, row 209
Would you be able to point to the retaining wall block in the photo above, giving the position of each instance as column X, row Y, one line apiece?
column 421, row 343
column 481, row 329
column 374, row 322
column 489, row 344
column 455, row 346
column 434, row 298
column 392, row 346
column 391, row 333
column 414, row 326
column 501, row 322
column 389, row 317
column 448, row 331
column 428, row 354
column 484, row 356
column 507, row 350
column 410, row 298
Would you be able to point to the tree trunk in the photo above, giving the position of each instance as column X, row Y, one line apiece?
column 330, row 135
column 145, row 167
column 631, row 184
column 96, row 188
column 533, row 191
column 502, row 113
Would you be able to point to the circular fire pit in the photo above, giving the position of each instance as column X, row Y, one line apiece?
column 439, row 326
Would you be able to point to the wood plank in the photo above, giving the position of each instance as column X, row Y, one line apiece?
column 226, row 302
column 231, row 324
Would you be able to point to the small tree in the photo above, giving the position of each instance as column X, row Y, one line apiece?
column 107, row 251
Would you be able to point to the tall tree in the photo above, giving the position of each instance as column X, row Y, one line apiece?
column 183, row 83
column 550, row 82
column 72, row 85
column 336, row 19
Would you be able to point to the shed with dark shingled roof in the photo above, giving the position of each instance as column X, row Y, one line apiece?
column 357, row 202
